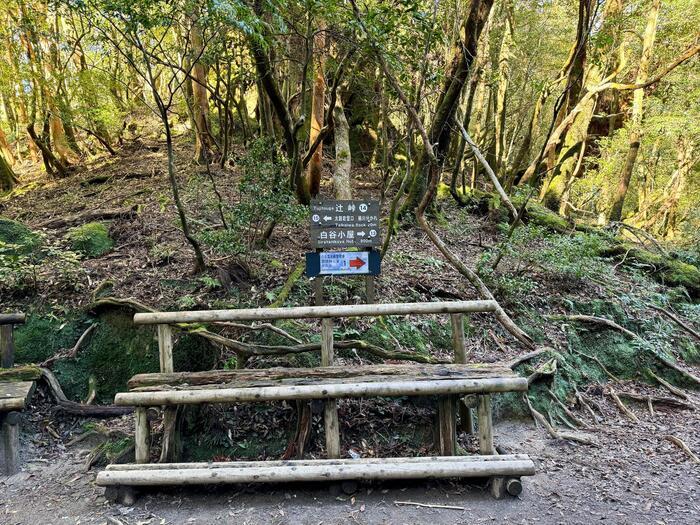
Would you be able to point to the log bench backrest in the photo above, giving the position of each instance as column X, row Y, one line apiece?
column 7, row 345
column 455, row 309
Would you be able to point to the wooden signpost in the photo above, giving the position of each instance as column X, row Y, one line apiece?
column 338, row 224
column 334, row 225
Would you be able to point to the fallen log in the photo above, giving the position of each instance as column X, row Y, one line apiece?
column 20, row 373
column 101, row 179
column 88, row 216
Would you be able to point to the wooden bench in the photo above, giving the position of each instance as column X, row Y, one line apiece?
column 449, row 382
column 14, row 396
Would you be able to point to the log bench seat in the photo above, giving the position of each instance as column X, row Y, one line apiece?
column 331, row 382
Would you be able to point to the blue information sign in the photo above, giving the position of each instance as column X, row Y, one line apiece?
column 342, row 263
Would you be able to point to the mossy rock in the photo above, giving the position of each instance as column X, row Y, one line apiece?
column 542, row 216
column 665, row 270
column 23, row 240
column 91, row 239
column 41, row 336
column 114, row 352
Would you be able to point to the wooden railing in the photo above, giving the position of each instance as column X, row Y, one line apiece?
column 456, row 310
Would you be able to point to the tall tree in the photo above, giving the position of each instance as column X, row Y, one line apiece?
column 635, row 125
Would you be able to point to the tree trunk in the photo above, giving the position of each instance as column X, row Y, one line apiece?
column 317, row 114
column 5, row 150
column 501, row 95
column 341, row 176
column 7, row 176
column 440, row 133
column 200, row 98
column 635, row 133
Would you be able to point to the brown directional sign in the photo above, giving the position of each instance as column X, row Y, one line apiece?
column 345, row 223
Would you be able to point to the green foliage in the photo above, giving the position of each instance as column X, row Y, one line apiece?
column 36, row 261
column 573, row 257
column 422, row 335
column 263, row 197
column 43, row 335
column 91, row 239
column 16, row 238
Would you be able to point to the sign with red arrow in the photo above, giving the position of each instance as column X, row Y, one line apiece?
column 342, row 263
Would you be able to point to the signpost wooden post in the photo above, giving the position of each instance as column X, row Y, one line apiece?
column 335, row 225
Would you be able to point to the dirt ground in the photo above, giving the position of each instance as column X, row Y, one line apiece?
column 633, row 475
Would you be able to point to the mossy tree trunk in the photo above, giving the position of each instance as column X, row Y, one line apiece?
column 440, row 131
column 502, row 92
column 8, row 179
column 317, row 114
column 635, row 131
column 200, row 99
column 343, row 160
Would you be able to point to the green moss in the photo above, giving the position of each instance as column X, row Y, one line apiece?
column 665, row 270
column 544, row 217
column 44, row 335
column 91, row 239
column 22, row 239
column 117, row 350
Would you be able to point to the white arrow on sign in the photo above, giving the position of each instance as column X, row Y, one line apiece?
column 361, row 234
column 327, row 218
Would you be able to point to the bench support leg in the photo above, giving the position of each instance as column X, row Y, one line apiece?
column 9, row 443
column 142, row 436
column 447, row 428
column 172, row 445
column 485, row 426
column 330, row 411
column 330, row 418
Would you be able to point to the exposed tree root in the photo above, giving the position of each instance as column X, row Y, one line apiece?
column 579, row 422
column 78, row 409
column 261, row 326
column 555, row 433
column 612, row 324
column 681, row 444
column 626, row 411
column 676, row 320
column 670, row 401
column 674, row 390
column 70, row 353
column 527, row 357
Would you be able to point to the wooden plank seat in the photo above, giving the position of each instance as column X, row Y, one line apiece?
column 14, row 395
column 316, row 470
column 228, row 386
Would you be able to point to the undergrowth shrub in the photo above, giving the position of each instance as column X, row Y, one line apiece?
column 263, row 198
column 36, row 261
